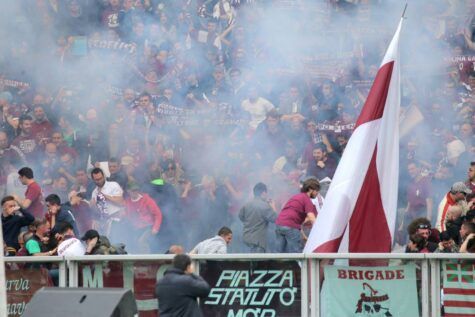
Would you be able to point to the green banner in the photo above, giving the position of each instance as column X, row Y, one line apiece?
column 370, row 291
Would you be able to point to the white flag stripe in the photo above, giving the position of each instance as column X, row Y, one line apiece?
column 345, row 186
column 459, row 310
column 387, row 158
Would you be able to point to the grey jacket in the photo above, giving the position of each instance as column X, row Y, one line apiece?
column 256, row 216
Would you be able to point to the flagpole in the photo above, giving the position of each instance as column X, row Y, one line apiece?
column 404, row 11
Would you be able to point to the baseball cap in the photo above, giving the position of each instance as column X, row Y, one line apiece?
column 90, row 234
column 460, row 187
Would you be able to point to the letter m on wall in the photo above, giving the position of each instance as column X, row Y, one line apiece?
column 92, row 278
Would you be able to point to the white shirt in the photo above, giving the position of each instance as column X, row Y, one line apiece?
column 72, row 246
column 104, row 205
column 257, row 110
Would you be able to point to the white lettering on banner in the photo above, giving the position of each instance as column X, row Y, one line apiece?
column 256, row 288
column 96, row 280
column 252, row 312
column 88, row 280
column 17, row 285
column 370, row 275
column 16, row 309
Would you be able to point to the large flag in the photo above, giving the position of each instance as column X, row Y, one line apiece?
column 359, row 213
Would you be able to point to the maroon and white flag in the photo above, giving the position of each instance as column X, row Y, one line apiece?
column 359, row 213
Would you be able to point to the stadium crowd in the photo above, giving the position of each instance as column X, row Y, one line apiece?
column 158, row 123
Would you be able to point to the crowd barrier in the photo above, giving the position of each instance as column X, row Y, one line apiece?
column 270, row 284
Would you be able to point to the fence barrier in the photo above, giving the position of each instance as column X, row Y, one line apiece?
column 393, row 284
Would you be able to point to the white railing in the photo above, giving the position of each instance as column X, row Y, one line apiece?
column 310, row 265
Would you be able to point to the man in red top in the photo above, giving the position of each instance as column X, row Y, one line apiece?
column 26, row 141
column 145, row 217
column 298, row 210
column 41, row 128
column 419, row 195
column 33, row 201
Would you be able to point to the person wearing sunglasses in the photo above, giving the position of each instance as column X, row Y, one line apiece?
column 456, row 196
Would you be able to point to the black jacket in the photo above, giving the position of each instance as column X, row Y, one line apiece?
column 177, row 293
column 11, row 226
column 65, row 215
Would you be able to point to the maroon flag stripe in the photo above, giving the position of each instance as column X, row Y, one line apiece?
column 374, row 106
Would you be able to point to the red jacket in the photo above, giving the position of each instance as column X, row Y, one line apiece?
column 143, row 212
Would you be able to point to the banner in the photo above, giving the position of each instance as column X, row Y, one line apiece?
column 21, row 285
column 459, row 289
column 117, row 46
column 252, row 288
column 370, row 291
column 14, row 83
column 220, row 115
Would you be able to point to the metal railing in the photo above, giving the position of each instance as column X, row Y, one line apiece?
column 310, row 271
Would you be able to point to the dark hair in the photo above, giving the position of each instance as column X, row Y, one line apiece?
column 418, row 241
column 97, row 170
column 25, row 117
column 310, row 184
column 224, row 231
column 416, row 224
column 7, row 198
column 259, row 189
column 471, row 246
column 321, row 147
column 145, row 94
column 273, row 114
column 53, row 199
column 181, row 261
column 26, row 172
column 113, row 160
column 470, row 226
column 445, row 236
column 64, row 226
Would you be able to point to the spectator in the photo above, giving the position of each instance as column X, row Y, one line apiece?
column 471, row 177
column 466, row 229
column 108, row 199
column 33, row 201
column 419, row 241
column 58, row 215
column 456, row 195
column 41, row 128
column 81, row 210
column 37, row 245
column 68, row 245
column 419, row 196
column 179, row 289
column 215, row 245
column 256, row 216
column 145, row 218
column 116, row 174
column 446, row 244
column 26, row 141
column 13, row 219
column 297, row 211
column 98, row 245
column 323, row 165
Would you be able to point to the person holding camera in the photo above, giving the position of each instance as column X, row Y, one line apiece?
column 179, row 289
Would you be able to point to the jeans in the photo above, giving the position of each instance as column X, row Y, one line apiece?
column 289, row 240
column 254, row 248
